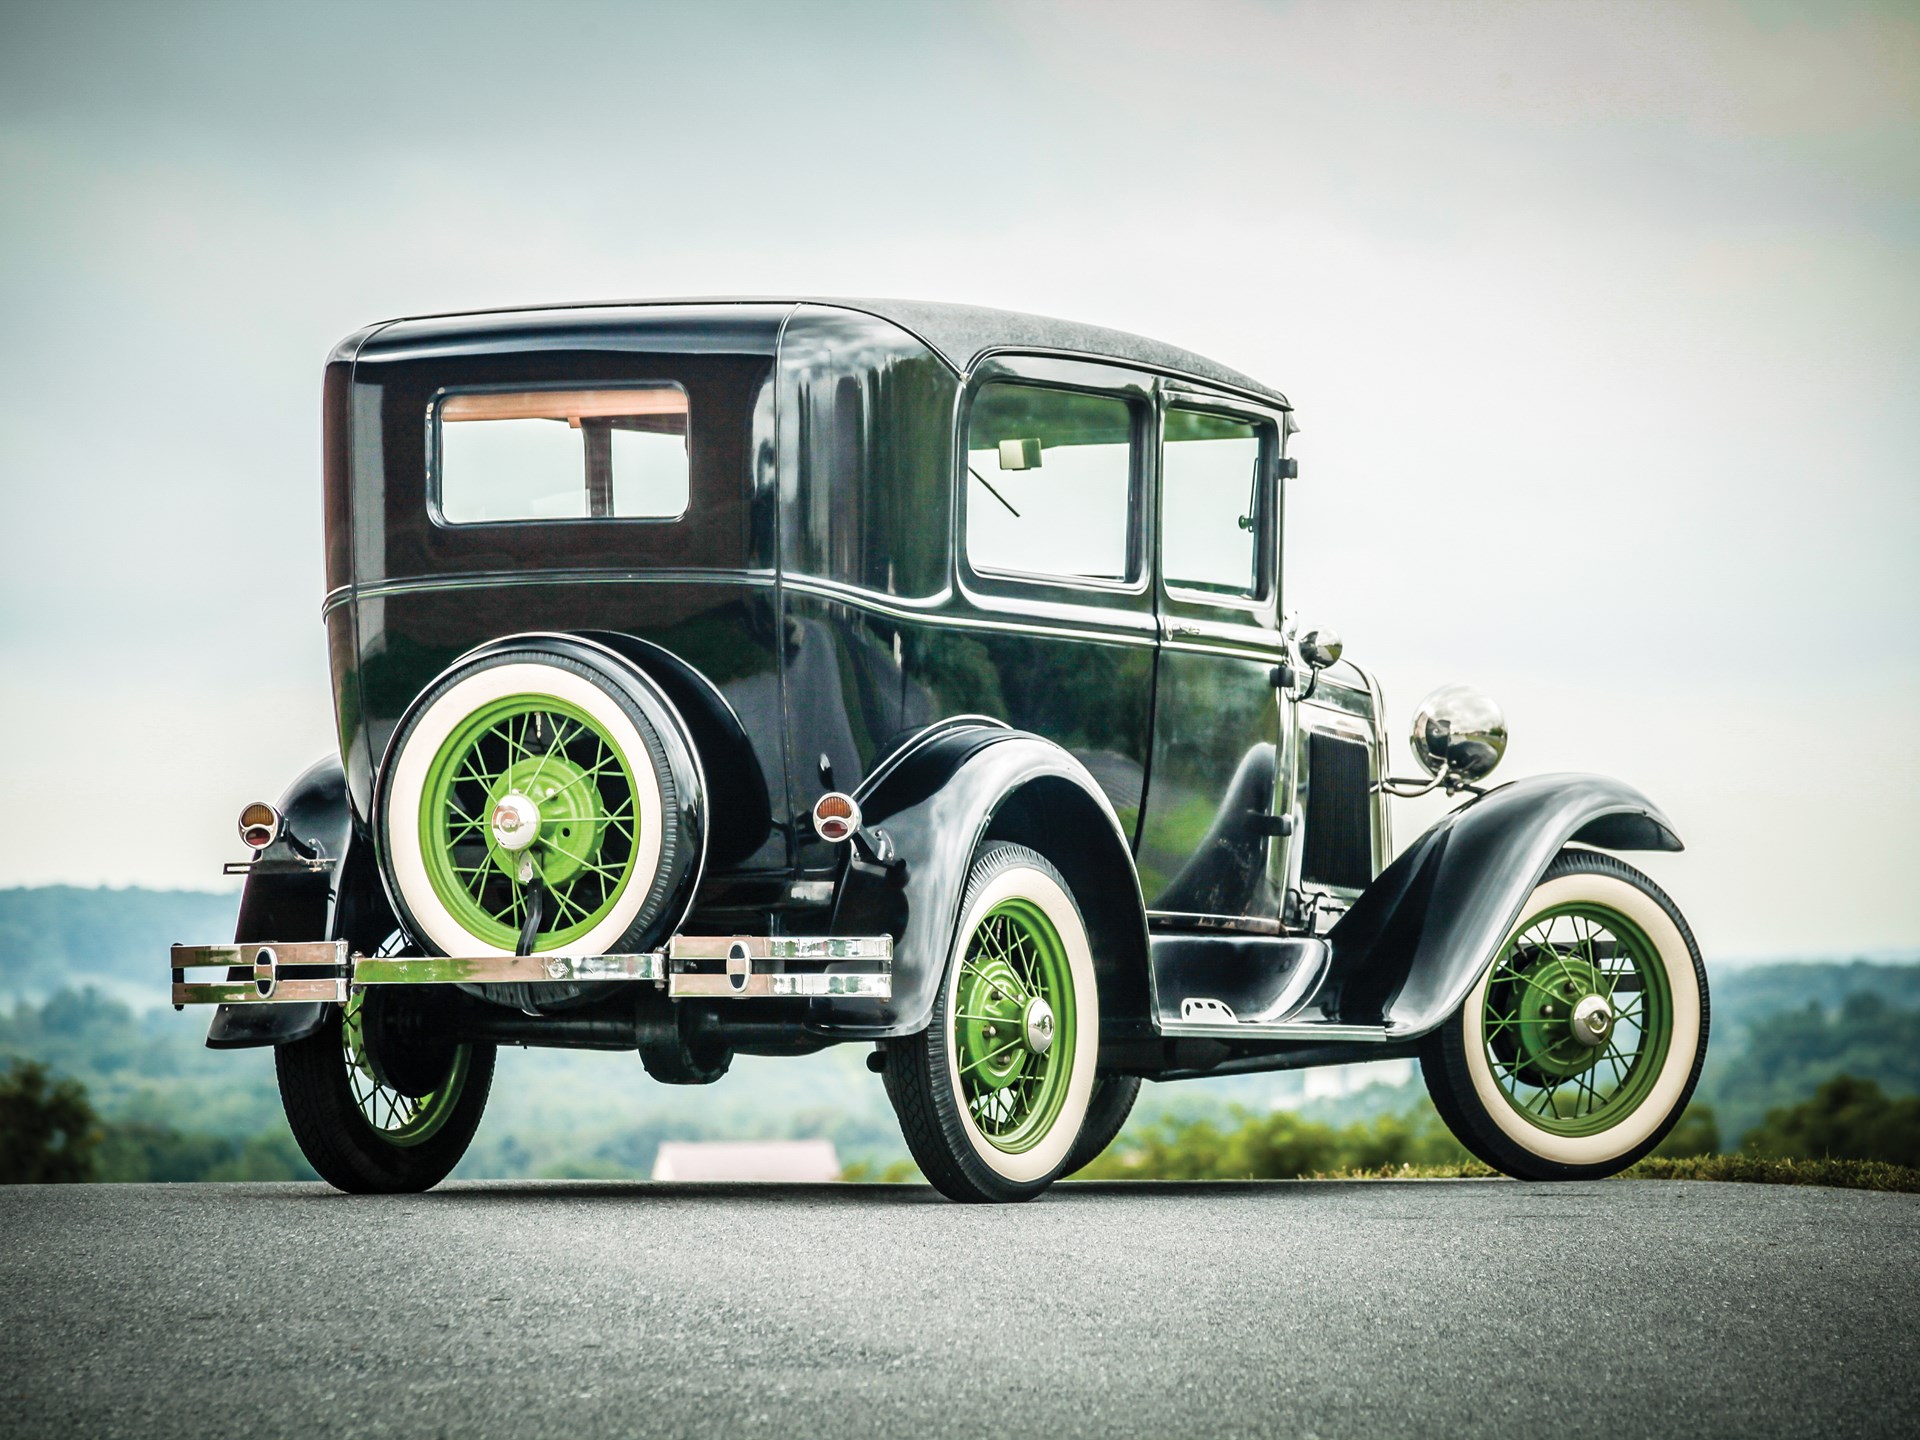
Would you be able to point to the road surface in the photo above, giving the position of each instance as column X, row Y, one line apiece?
column 572, row 1309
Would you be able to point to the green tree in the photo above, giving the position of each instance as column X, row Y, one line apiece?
column 48, row 1130
column 1789, row 1054
column 1847, row 1119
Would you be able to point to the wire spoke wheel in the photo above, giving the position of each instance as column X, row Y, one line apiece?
column 993, row 1095
column 1579, row 1046
column 396, row 1118
column 1577, row 1019
column 1014, row 1025
column 364, row 1134
column 529, row 804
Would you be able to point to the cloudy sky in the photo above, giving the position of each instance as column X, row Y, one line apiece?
column 1603, row 321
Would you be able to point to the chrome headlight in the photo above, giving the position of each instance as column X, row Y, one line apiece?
column 1459, row 732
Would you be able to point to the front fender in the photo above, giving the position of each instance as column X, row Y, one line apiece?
column 953, row 791
column 1418, row 938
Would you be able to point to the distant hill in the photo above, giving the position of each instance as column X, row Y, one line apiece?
column 55, row 937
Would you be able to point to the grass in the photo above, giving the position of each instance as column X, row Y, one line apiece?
column 1745, row 1169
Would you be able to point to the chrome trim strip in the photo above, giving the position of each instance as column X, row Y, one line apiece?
column 782, row 947
column 761, row 985
column 245, row 992
column 1283, row 1030
column 249, row 953
column 1162, row 921
column 485, row 579
column 506, row 969
column 864, row 601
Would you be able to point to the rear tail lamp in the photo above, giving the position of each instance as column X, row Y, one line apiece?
column 835, row 817
column 259, row 825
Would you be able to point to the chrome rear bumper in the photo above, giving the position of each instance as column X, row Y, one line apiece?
column 721, row 967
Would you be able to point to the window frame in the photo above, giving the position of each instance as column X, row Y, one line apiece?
column 436, row 468
column 1268, row 500
column 1074, row 376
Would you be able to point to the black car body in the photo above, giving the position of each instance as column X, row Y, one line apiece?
column 863, row 580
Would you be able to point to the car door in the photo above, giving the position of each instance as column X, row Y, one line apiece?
column 1051, row 625
column 1214, row 841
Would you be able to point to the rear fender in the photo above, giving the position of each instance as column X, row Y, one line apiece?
column 1417, row 940
column 950, row 792
column 341, row 902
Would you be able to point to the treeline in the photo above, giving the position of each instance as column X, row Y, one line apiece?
column 1806, row 1060
column 50, row 1133
column 1847, row 1118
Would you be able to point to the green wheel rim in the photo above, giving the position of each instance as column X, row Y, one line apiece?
column 402, row 1120
column 1014, row 1068
column 1561, row 958
column 558, row 757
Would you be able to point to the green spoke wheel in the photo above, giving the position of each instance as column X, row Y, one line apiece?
column 397, row 1118
column 385, row 1118
column 1015, row 997
column 1577, row 1018
column 541, row 796
column 1578, row 1049
column 993, row 1094
column 529, row 801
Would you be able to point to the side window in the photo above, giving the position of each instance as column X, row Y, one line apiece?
column 1210, row 503
column 563, row 455
column 1050, row 483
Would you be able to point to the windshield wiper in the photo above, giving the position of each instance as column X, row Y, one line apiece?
column 993, row 492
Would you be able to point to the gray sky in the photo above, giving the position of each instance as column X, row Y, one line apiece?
column 1601, row 319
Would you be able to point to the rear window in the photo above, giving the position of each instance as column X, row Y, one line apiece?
column 614, row 454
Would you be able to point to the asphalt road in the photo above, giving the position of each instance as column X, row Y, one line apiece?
column 574, row 1309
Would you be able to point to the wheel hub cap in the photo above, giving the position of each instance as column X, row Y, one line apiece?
column 1037, row 1026
column 1560, row 999
column 1592, row 1021
column 516, row 822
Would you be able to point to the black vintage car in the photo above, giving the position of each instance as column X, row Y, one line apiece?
column 751, row 676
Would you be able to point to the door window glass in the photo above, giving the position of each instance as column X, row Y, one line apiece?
column 1050, row 483
column 564, row 455
column 1210, row 514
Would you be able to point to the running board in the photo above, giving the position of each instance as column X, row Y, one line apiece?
column 1308, row 1030
column 733, row 967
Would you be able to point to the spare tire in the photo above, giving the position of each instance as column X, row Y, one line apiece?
column 548, row 774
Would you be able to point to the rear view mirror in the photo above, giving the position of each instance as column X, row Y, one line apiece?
column 1020, row 454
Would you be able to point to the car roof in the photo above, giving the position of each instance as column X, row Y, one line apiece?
column 963, row 334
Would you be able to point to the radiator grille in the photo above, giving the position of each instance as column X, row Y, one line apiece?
column 1339, row 817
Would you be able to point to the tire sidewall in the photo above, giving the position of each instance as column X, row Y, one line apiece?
column 440, row 711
